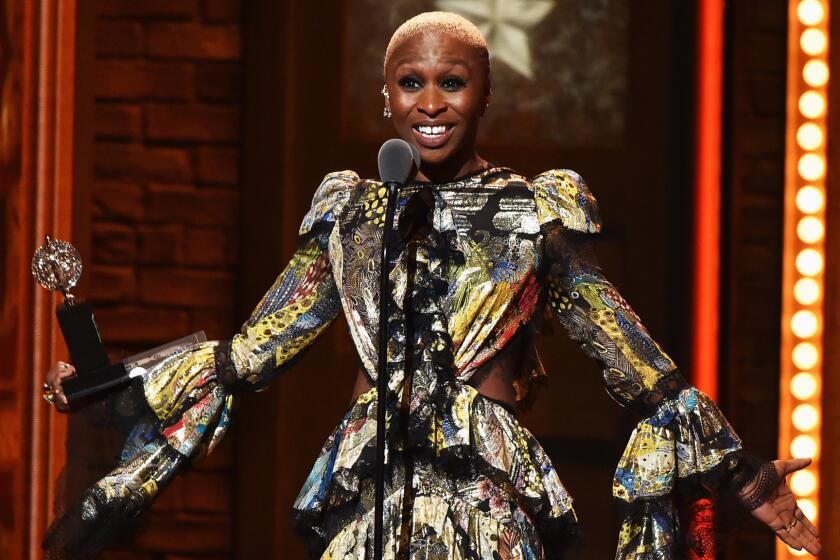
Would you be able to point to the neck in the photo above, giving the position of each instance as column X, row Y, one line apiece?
column 450, row 169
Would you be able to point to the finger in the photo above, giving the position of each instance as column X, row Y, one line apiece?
column 793, row 465
column 59, row 394
column 814, row 547
column 802, row 534
column 52, row 377
column 776, row 524
column 66, row 370
column 798, row 532
column 808, row 541
column 811, row 544
column 788, row 539
column 807, row 523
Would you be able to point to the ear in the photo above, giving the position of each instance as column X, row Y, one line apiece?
column 488, row 95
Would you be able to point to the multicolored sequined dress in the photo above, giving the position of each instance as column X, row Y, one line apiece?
column 478, row 260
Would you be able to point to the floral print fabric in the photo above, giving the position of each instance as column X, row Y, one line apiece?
column 477, row 261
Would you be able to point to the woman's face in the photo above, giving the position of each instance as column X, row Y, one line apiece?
column 438, row 90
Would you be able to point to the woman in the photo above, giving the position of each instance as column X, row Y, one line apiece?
column 481, row 252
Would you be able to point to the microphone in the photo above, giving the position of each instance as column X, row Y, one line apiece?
column 398, row 163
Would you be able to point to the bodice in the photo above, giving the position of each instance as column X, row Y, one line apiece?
column 483, row 242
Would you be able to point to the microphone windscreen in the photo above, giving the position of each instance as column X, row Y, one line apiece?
column 396, row 161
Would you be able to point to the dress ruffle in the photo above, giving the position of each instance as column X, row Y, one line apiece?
column 110, row 508
column 474, row 434
column 687, row 440
column 687, row 436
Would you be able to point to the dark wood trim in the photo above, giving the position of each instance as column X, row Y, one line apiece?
column 262, row 251
column 829, row 521
column 52, row 213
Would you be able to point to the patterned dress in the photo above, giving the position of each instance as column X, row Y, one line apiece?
column 477, row 262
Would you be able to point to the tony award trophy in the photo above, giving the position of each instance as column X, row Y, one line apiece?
column 56, row 266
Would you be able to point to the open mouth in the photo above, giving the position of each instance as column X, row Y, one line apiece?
column 432, row 136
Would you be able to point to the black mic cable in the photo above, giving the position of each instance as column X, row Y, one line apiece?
column 398, row 162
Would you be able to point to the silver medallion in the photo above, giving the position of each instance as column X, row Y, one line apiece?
column 57, row 265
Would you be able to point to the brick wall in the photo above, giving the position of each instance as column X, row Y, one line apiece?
column 165, row 215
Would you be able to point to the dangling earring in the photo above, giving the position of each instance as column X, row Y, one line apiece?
column 386, row 112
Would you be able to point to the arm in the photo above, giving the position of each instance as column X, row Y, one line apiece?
column 188, row 392
column 684, row 440
column 191, row 394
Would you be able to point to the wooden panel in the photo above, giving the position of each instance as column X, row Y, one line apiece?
column 37, row 53
column 829, row 522
column 15, row 306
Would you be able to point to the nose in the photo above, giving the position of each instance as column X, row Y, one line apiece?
column 431, row 102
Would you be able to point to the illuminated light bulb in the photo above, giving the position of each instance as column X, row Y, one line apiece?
column 809, row 262
column 803, row 447
column 806, row 291
column 803, row 385
column 808, row 507
column 811, row 167
column 809, row 199
column 811, row 104
column 813, row 41
column 804, row 324
column 803, row 483
column 805, row 417
column 809, row 136
column 805, row 355
column 810, row 229
column 795, row 552
column 815, row 73
column 810, row 12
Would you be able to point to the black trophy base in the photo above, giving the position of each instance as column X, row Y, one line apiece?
column 82, row 337
column 92, row 383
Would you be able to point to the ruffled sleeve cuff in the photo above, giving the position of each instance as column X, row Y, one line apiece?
column 687, row 437
column 191, row 393
column 687, row 444
column 188, row 412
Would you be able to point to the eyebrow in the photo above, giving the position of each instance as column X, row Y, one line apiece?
column 411, row 59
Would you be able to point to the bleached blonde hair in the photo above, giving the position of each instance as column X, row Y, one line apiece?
column 452, row 24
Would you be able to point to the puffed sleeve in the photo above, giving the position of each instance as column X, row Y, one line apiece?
column 190, row 395
column 683, row 435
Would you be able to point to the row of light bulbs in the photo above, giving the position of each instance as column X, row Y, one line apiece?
column 805, row 322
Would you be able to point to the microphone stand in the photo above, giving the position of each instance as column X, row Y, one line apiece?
column 382, row 377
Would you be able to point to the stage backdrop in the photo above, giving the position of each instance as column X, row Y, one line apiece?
column 576, row 85
column 559, row 67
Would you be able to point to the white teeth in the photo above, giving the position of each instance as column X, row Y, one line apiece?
column 432, row 130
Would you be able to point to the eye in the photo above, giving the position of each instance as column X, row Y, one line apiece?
column 453, row 83
column 410, row 83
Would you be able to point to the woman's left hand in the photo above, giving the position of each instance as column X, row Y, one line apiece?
column 783, row 516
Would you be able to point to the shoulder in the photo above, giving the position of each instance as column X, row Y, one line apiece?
column 329, row 199
column 562, row 195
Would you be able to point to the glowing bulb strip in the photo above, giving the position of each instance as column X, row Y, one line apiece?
column 804, row 251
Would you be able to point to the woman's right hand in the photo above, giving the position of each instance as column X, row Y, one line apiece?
column 52, row 384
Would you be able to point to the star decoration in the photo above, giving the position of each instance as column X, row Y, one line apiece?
column 505, row 24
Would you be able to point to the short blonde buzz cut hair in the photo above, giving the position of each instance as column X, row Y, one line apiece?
column 452, row 24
